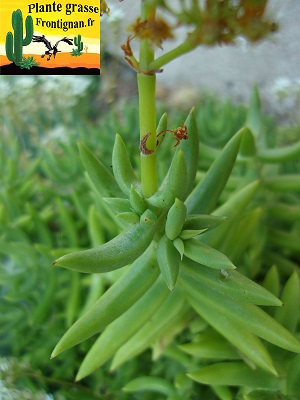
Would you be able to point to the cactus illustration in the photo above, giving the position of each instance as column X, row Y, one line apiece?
column 14, row 43
column 86, row 48
column 78, row 43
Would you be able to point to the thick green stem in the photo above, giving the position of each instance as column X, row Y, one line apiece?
column 147, row 109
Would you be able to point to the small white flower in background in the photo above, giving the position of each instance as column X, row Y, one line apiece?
column 62, row 91
column 74, row 86
column 26, row 81
column 7, row 87
column 242, row 43
column 9, row 391
column 116, row 14
column 287, row 93
column 57, row 134
column 284, row 87
column 4, row 89
column 281, row 85
column 55, row 91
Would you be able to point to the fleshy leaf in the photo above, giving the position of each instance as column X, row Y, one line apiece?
column 292, row 377
column 122, row 168
column 122, row 329
column 150, row 383
column 172, row 308
column 204, row 197
column 234, row 374
column 230, row 283
column 168, row 259
column 211, row 345
column 191, row 149
column 246, row 342
column 248, row 316
column 206, row 255
column 115, row 301
column 288, row 315
column 175, row 219
column 101, row 177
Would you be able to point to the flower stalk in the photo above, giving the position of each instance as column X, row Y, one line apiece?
column 171, row 55
column 147, row 108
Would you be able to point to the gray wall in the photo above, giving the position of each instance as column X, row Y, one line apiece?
column 231, row 71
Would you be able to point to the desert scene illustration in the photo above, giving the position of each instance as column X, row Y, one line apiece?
column 25, row 50
column 63, row 63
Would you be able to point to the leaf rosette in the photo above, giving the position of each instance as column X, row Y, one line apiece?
column 167, row 238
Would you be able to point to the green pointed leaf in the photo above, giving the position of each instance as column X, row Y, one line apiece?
column 148, row 218
column 292, row 377
column 150, row 383
column 237, row 241
column 204, row 197
column 175, row 219
column 285, row 212
column 211, row 345
column 286, row 240
column 122, row 329
column 170, row 310
column 281, row 154
column 248, row 148
column 230, row 283
column 101, row 177
column 202, row 222
column 168, row 260
column 231, row 208
column 67, row 223
column 118, row 252
column 137, row 201
column 162, row 126
column 96, row 232
column 118, row 204
column 234, row 374
column 254, row 115
column 179, row 246
column 122, row 168
column 173, row 352
column 189, row 234
column 129, row 217
column 208, row 152
column 288, row 315
column 238, row 201
column 115, row 301
column 206, row 255
column 191, row 149
column 246, row 342
column 271, row 281
column 283, row 183
column 267, row 395
column 223, row 392
column 250, row 317
column 174, row 184
column 168, row 334
column 284, row 264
